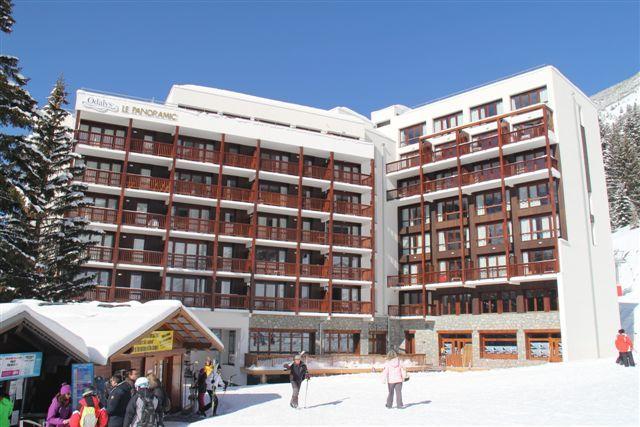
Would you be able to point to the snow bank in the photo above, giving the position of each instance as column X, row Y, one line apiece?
column 577, row 393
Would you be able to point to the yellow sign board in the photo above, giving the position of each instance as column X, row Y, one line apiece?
column 157, row 341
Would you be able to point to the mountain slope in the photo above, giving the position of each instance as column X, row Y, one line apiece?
column 615, row 100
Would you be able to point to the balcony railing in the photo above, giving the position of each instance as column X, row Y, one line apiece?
column 277, row 233
column 235, row 265
column 232, row 301
column 274, row 304
column 441, row 184
column 352, row 240
column 143, row 219
column 406, row 163
column 198, row 154
column 406, row 191
column 239, row 160
column 349, row 177
column 316, row 237
column 481, row 144
column 354, row 307
column 134, row 256
column 404, row 280
column 238, row 229
column 409, row 310
column 483, row 273
column 277, row 199
column 198, row 189
column 351, row 273
column 523, row 134
column 349, row 208
column 276, row 268
column 313, row 270
column 314, row 204
column 534, row 268
column 95, row 214
column 152, row 148
column 443, row 276
column 530, row 165
column 313, row 305
column 100, row 253
column 149, row 183
column 279, row 166
column 189, row 262
column 102, row 177
column 194, row 225
column 190, row 299
column 317, row 172
column 236, row 194
column 101, row 140
column 102, row 293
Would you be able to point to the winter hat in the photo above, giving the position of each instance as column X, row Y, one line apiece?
column 65, row 388
column 87, row 392
column 297, row 357
column 142, row 382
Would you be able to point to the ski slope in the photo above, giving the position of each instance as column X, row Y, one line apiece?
column 579, row 393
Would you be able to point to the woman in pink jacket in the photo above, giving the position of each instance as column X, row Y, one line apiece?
column 393, row 374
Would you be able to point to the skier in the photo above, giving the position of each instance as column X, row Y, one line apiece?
column 394, row 375
column 297, row 374
column 60, row 408
column 144, row 408
column 119, row 397
column 625, row 347
column 90, row 412
column 213, row 382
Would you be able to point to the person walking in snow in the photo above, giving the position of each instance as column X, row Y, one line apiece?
column 144, row 408
column 90, row 412
column 297, row 374
column 60, row 408
column 394, row 375
column 118, row 400
column 625, row 347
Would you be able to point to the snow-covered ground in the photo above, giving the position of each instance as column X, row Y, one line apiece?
column 579, row 393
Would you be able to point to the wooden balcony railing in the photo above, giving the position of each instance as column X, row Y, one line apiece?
column 351, row 177
column 317, row 172
column 433, row 277
column 194, row 225
column 102, row 293
column 351, row 240
column 313, row 305
column 523, row 134
column 235, row 265
column 530, row 165
column 277, row 233
column 481, row 175
column 100, row 253
column 232, row 301
column 351, row 273
column 313, row 270
column 406, row 163
column 239, row 160
column 441, row 184
column 406, row 310
column 102, row 177
column 198, row 154
column 406, row 191
column 274, row 304
column 236, row 194
column 353, row 307
column 198, row 189
column 101, row 140
column 317, row 237
column 277, row 199
column 133, row 256
column 189, row 262
column 95, row 214
column 442, row 152
column 482, row 273
column 149, row 183
column 349, row 208
column 276, row 268
column 332, row 361
column 534, row 268
column 152, row 148
column 404, row 280
column 279, row 166
column 143, row 219
column 239, row 229
column 190, row 299
column 314, row 204
column 481, row 144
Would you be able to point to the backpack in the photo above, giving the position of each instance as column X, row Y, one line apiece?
column 89, row 418
column 148, row 414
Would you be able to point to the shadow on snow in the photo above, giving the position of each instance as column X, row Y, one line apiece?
column 231, row 403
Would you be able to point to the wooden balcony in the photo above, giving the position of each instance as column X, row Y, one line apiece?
column 239, row 160
column 152, row 148
column 348, row 208
column 523, row 134
column 133, row 256
column 148, row 183
column 279, row 166
column 101, row 140
column 351, row 307
column 193, row 225
column 277, row 233
column 313, row 204
column 406, row 310
column 351, row 240
column 197, row 189
column 274, row 304
column 406, row 191
column 315, row 237
column 313, row 305
column 534, row 268
column 236, row 194
column 275, row 268
column 235, row 265
column 102, row 293
column 404, row 280
column 351, row 273
column 232, row 301
column 484, row 273
column 277, row 199
column 352, row 177
column 100, row 254
column 95, row 214
column 441, row 184
column 238, row 229
column 316, row 172
column 189, row 262
column 190, row 299
column 198, row 154
column 313, row 270
column 481, row 144
column 435, row 277
column 143, row 219
column 101, row 177
column 332, row 363
column 406, row 163
column 527, row 166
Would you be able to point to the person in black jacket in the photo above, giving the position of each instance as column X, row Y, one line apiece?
column 297, row 374
column 118, row 400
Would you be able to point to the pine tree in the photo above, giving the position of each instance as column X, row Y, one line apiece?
column 61, row 239
column 16, row 175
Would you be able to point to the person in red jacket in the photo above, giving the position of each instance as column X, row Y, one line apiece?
column 90, row 412
column 625, row 347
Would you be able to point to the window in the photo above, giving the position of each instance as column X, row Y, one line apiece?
column 449, row 240
column 492, row 266
column 191, row 255
column 410, row 216
column 186, row 284
column 102, row 201
column 351, row 293
column 98, row 277
column 531, row 97
column 411, row 297
column 544, row 346
column 537, row 255
column 340, row 342
column 450, row 209
column 486, row 110
column 103, row 165
column 541, row 299
column 281, row 342
column 533, row 195
column 231, row 348
column 409, row 269
column 447, row 122
column 411, row 135
column 377, row 342
column 491, row 234
column 488, row 203
column 535, row 227
column 498, row 346
column 412, row 244
column 455, row 304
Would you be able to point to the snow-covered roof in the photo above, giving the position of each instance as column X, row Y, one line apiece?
column 106, row 329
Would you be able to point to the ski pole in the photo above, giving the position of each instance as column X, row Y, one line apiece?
column 306, row 393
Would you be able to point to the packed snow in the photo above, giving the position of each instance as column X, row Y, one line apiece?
column 578, row 393
column 615, row 100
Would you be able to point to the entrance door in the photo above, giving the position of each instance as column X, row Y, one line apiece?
column 409, row 342
column 456, row 350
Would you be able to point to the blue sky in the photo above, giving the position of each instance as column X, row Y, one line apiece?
column 364, row 55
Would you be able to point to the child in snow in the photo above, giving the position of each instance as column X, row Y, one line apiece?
column 625, row 347
column 90, row 412
column 297, row 374
column 60, row 408
column 394, row 375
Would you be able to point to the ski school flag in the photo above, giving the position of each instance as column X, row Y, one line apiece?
column 156, row 341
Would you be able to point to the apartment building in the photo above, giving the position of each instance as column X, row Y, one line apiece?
column 469, row 229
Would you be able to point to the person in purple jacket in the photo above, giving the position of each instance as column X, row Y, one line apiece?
column 60, row 408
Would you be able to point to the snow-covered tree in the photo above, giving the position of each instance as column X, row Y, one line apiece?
column 60, row 239
column 16, row 175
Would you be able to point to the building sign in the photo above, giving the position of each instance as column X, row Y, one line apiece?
column 104, row 105
column 81, row 379
column 100, row 104
column 157, row 341
column 20, row 365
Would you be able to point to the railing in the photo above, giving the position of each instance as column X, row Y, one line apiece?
column 317, row 172
column 481, row 175
column 153, row 148
column 235, row 229
column 190, row 299
column 279, row 166
column 404, row 280
column 406, row 191
column 443, row 276
column 277, row 199
column 274, row 304
column 356, row 178
column 527, row 236
column 349, row 208
column 134, row 256
column 238, row 160
column 194, row 225
column 313, row 270
column 102, row 177
column 406, row 163
column 199, row 189
column 101, row 293
column 351, row 273
column 481, row 273
column 481, row 144
column 95, row 214
column 441, row 184
column 443, row 153
column 276, row 268
column 313, row 204
column 355, row 307
column 317, row 237
column 189, row 262
column 198, row 154
column 313, row 305
column 534, row 268
column 232, row 301
column 100, row 253
column 526, row 166
column 150, row 183
column 236, row 265
column 523, row 134
column 143, row 219
column 101, row 140
column 332, row 361
column 236, row 194
column 407, row 310
column 276, row 233
column 341, row 239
